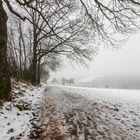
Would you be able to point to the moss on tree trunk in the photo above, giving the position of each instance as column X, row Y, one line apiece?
column 5, row 84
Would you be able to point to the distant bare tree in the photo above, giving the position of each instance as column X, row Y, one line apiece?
column 70, row 81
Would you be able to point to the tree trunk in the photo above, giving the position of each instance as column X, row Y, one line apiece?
column 20, row 58
column 38, row 72
column 34, row 69
column 5, row 84
column 34, row 59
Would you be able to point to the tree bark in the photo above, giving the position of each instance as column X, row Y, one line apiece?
column 34, row 68
column 38, row 72
column 5, row 84
column 34, row 59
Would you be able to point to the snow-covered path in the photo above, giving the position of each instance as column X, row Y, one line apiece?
column 70, row 113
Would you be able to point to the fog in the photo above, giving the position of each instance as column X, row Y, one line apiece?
column 122, row 61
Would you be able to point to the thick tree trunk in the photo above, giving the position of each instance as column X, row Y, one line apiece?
column 5, row 84
column 34, row 59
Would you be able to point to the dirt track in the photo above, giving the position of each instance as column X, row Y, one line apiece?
column 68, row 116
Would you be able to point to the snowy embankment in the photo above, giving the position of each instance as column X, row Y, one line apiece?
column 71, row 113
column 16, row 116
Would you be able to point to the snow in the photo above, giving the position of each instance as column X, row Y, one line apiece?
column 12, row 124
column 15, row 123
column 90, row 113
column 66, row 112
column 109, row 95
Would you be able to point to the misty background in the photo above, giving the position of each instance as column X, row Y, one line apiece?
column 111, row 67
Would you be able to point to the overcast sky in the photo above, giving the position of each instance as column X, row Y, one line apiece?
column 124, row 61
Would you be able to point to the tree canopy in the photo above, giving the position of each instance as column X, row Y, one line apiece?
column 55, row 28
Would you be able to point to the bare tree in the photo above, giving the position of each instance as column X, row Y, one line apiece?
column 19, row 49
column 69, row 25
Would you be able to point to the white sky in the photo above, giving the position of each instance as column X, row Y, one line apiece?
column 125, row 61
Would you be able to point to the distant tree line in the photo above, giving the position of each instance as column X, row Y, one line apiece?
column 63, row 81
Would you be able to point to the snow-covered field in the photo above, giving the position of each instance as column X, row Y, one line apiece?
column 90, row 114
column 70, row 113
